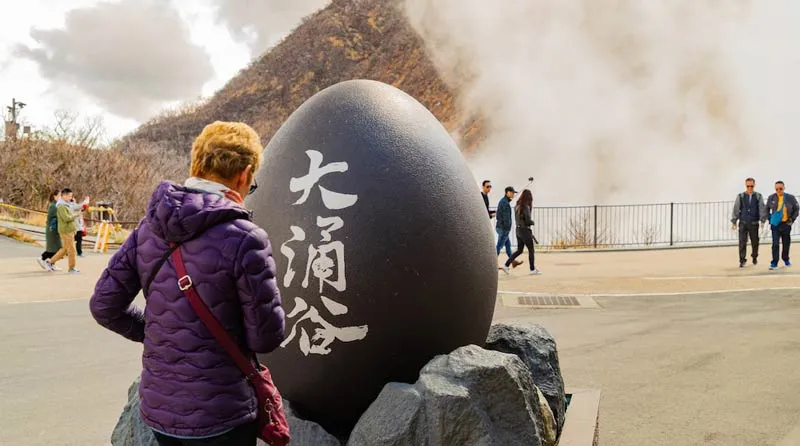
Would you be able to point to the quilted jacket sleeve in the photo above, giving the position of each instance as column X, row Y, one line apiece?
column 115, row 291
column 258, row 293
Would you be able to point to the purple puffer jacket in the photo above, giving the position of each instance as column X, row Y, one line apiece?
column 190, row 387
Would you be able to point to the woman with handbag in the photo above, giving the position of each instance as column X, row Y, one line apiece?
column 52, row 239
column 525, row 239
column 212, row 300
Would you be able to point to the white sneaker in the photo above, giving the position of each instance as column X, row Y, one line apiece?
column 42, row 263
column 505, row 269
column 535, row 272
column 50, row 267
column 74, row 271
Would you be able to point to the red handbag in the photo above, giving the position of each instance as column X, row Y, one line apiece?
column 272, row 425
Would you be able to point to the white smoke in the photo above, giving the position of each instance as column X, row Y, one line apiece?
column 622, row 101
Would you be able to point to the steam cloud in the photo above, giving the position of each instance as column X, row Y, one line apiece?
column 131, row 56
column 624, row 101
column 262, row 23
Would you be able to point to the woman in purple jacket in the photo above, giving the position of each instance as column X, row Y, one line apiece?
column 191, row 392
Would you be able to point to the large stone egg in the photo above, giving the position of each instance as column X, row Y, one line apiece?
column 383, row 251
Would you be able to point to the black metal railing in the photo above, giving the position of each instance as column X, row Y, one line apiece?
column 637, row 226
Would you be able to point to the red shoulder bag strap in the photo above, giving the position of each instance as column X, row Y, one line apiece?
column 223, row 337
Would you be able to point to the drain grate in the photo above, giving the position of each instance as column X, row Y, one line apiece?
column 549, row 300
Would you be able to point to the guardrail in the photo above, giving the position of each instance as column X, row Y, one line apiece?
column 32, row 222
column 637, row 226
column 567, row 227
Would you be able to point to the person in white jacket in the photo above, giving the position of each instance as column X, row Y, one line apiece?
column 78, row 210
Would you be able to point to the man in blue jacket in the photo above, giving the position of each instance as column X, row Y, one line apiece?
column 504, row 222
column 783, row 211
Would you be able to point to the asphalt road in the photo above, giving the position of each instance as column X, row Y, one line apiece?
column 10, row 249
column 63, row 379
column 717, row 369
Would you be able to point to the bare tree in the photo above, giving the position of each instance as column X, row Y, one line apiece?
column 68, row 128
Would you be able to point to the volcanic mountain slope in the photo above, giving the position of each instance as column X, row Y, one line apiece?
column 349, row 39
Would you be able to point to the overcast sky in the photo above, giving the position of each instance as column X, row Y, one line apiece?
column 128, row 59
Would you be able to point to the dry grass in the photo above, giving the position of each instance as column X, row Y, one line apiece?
column 648, row 235
column 580, row 233
column 14, row 214
column 31, row 169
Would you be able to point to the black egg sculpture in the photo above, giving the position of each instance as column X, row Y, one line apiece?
column 384, row 254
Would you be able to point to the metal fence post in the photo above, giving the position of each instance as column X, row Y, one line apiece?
column 671, row 222
column 595, row 226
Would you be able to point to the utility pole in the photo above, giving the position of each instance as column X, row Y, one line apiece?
column 12, row 126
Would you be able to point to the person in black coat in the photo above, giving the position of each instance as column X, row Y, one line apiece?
column 486, row 187
column 524, row 232
column 748, row 211
column 783, row 210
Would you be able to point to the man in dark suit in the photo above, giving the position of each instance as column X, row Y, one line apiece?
column 748, row 211
column 486, row 187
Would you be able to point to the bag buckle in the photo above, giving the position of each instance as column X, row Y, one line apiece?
column 185, row 282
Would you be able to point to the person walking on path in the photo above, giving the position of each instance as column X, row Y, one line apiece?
column 503, row 225
column 486, row 187
column 78, row 210
column 749, row 210
column 191, row 392
column 783, row 209
column 522, row 213
column 67, row 227
column 52, row 239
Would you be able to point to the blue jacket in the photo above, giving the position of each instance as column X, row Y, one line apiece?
column 504, row 214
column 789, row 200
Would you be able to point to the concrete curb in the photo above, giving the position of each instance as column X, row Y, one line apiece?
column 582, row 423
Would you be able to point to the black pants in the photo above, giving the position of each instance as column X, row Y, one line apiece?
column 748, row 230
column 244, row 435
column 524, row 240
column 47, row 254
column 781, row 234
column 79, row 242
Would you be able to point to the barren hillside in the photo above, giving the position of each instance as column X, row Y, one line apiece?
column 350, row 39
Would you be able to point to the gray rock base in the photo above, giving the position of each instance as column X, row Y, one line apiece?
column 130, row 429
column 510, row 393
column 306, row 432
column 470, row 397
column 537, row 349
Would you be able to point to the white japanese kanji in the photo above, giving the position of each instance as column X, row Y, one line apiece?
column 320, row 264
column 297, row 235
column 331, row 199
column 325, row 332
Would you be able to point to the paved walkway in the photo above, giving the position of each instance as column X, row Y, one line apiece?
column 687, row 348
column 711, row 365
column 657, row 271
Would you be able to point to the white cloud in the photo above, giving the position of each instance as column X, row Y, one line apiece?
column 72, row 79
